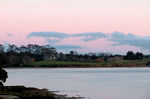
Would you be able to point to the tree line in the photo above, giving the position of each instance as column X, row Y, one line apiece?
column 14, row 55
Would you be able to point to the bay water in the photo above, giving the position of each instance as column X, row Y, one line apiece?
column 91, row 83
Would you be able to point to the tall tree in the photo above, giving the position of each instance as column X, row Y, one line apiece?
column 139, row 56
column 130, row 55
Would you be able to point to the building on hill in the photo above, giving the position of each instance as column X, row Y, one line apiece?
column 114, row 58
column 48, row 57
column 27, row 59
column 99, row 60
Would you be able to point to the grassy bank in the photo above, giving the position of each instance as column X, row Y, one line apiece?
column 122, row 63
column 61, row 64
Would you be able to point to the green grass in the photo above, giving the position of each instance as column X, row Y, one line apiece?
column 61, row 64
column 122, row 63
column 132, row 61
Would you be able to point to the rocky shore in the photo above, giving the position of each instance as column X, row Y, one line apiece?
column 22, row 92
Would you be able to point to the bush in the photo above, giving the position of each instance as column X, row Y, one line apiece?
column 3, row 76
column 148, row 63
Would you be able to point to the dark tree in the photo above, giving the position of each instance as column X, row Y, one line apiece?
column 130, row 56
column 3, row 58
column 3, row 76
column 139, row 56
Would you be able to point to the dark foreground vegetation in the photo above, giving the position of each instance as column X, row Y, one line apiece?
column 46, row 56
column 21, row 92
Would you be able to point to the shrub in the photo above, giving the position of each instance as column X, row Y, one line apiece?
column 3, row 76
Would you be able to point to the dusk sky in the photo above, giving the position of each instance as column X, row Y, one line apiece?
column 114, row 26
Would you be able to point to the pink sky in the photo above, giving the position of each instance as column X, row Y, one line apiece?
column 21, row 17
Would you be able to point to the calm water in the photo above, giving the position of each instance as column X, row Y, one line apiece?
column 92, row 83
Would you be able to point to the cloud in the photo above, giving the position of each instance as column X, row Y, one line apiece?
column 48, row 34
column 62, row 46
column 67, row 47
column 87, row 36
column 118, row 38
column 53, row 41
column 130, row 39
column 9, row 34
column 90, row 36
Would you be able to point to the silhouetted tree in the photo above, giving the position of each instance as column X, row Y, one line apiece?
column 139, row 56
column 3, row 76
column 62, row 56
column 130, row 55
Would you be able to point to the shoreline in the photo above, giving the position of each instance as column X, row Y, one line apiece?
column 19, row 92
column 15, row 67
column 77, row 64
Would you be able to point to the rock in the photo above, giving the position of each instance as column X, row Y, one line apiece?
column 8, row 97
